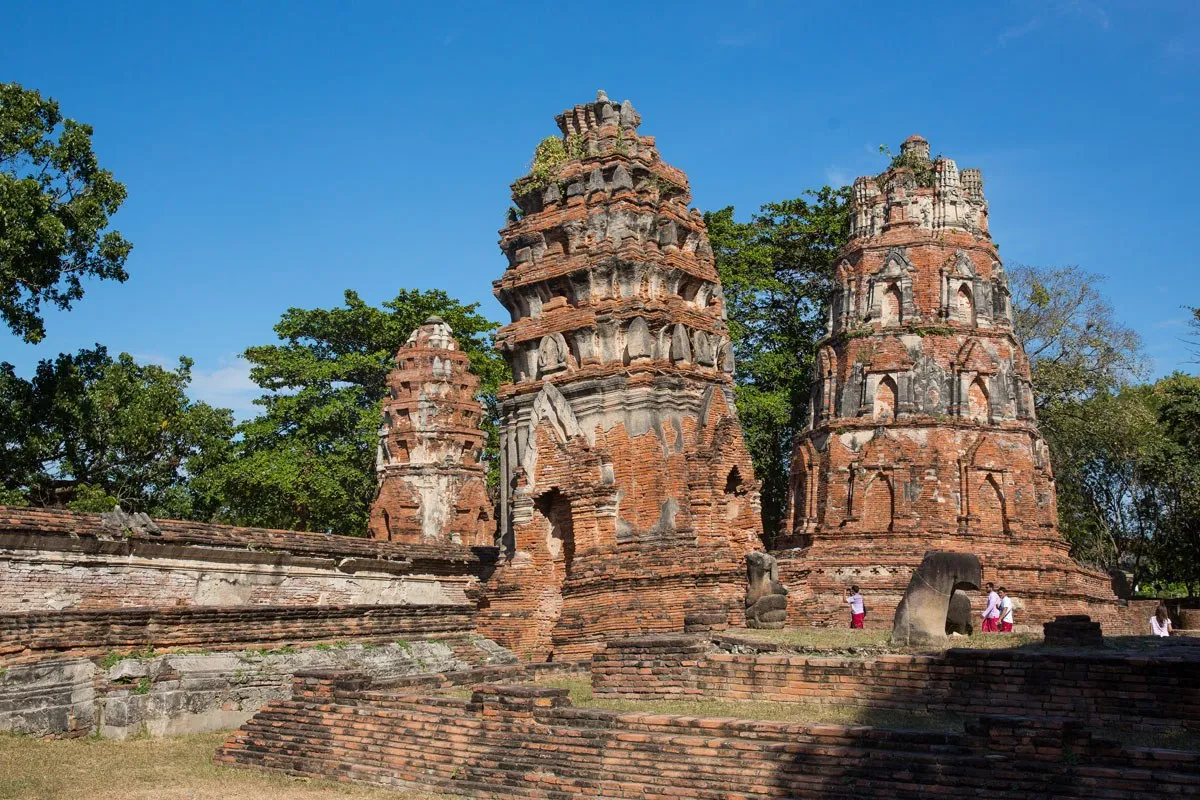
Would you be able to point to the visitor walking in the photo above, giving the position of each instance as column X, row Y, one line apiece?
column 1006, row 611
column 991, row 614
column 1160, row 623
column 858, row 610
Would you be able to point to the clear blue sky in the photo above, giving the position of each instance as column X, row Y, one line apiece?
column 279, row 153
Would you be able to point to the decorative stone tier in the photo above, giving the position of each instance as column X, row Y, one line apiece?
column 53, row 560
column 1157, row 691
column 923, row 434
column 432, row 486
column 529, row 742
column 627, row 495
column 33, row 637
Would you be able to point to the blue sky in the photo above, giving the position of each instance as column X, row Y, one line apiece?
column 279, row 153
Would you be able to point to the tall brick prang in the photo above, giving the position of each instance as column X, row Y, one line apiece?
column 923, row 431
column 432, row 486
column 628, row 500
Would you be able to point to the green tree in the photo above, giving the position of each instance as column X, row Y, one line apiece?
column 777, row 271
column 1173, row 472
column 55, row 202
column 1099, row 424
column 88, row 431
column 1076, row 345
column 307, row 462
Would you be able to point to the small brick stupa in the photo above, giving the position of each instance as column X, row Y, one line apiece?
column 432, row 486
column 628, row 500
column 923, row 432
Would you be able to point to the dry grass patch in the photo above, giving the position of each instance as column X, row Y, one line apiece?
column 580, row 689
column 179, row 768
column 874, row 641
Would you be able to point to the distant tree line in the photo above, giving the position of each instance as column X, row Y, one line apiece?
column 87, row 430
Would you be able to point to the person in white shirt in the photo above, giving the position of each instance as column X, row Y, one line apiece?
column 1160, row 623
column 1006, row 611
column 991, row 614
column 858, row 610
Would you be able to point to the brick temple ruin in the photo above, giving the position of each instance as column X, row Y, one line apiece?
column 622, row 459
column 923, row 433
column 624, row 545
column 432, row 484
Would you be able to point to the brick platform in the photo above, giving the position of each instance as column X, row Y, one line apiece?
column 1157, row 692
column 528, row 742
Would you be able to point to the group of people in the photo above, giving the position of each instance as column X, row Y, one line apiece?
column 998, row 616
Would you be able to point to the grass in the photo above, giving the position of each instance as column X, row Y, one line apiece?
column 876, row 640
column 580, row 688
column 151, row 769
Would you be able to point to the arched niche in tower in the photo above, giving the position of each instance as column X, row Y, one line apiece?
column 891, row 306
column 963, row 311
column 991, row 507
column 879, row 503
column 895, row 273
column 886, row 395
column 978, row 401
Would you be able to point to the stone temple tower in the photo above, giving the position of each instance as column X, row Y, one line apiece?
column 923, row 434
column 432, row 487
column 628, row 500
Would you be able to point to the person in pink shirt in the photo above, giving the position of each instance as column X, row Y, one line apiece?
column 858, row 609
column 991, row 614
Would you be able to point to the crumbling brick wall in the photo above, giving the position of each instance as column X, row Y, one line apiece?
column 525, row 741
column 1145, row 692
column 53, row 560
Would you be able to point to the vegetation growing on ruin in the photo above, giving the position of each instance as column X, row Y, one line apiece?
column 548, row 159
column 923, row 172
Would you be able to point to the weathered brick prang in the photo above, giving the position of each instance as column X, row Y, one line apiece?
column 923, row 433
column 627, row 495
column 432, row 485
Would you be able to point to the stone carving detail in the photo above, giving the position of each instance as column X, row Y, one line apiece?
column 121, row 522
column 552, row 354
column 766, row 597
column 924, row 610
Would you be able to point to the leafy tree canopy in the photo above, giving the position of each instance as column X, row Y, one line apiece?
column 776, row 271
column 88, row 431
column 307, row 462
column 1075, row 344
column 55, row 202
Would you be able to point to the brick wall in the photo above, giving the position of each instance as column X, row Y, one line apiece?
column 32, row 637
column 1107, row 691
column 53, row 560
column 522, row 741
